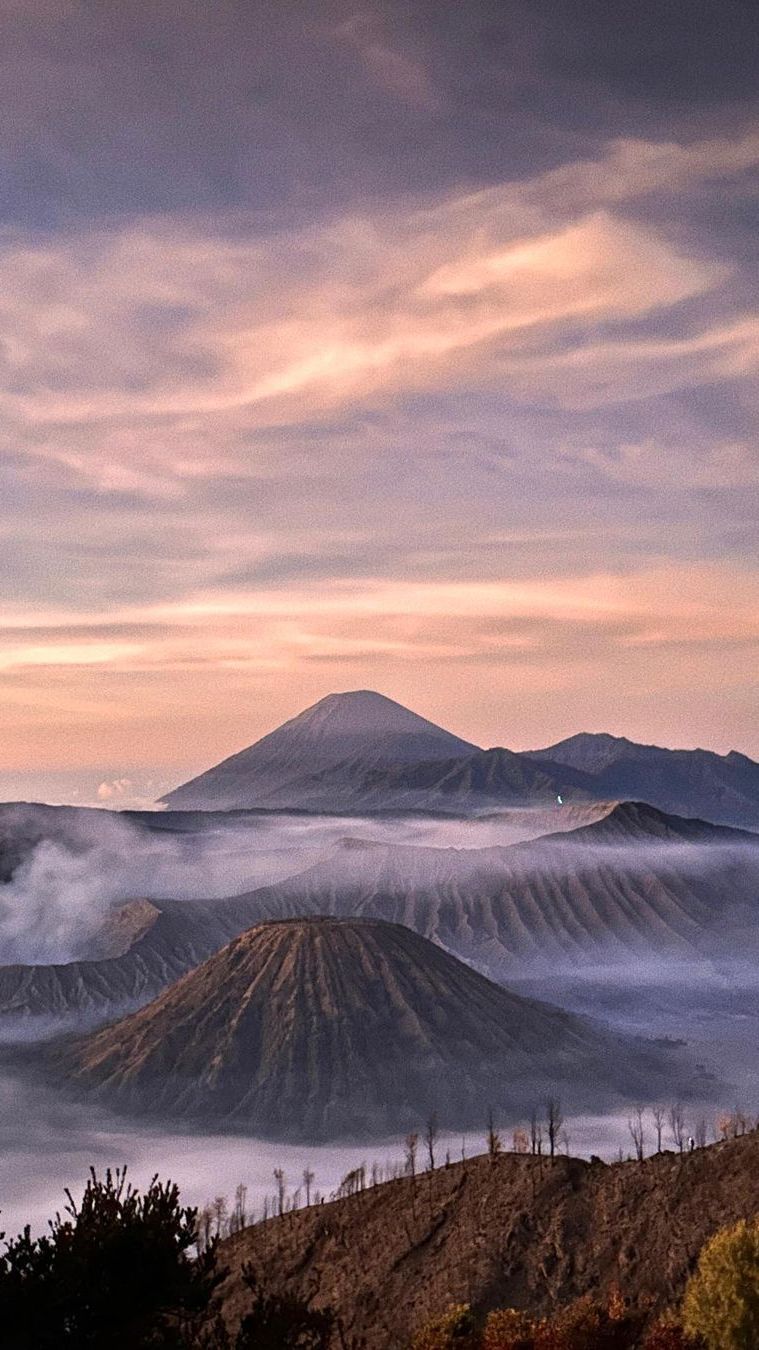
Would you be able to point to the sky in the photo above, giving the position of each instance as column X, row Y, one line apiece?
column 410, row 346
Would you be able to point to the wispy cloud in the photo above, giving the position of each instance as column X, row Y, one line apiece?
column 142, row 359
column 247, row 460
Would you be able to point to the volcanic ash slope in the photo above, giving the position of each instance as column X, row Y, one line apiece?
column 326, row 1028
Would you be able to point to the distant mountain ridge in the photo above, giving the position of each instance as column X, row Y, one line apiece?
column 721, row 788
column 175, row 936
column 361, row 752
column 322, row 1028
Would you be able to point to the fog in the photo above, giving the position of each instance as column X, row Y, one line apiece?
column 69, row 867
column 47, row 1144
column 76, row 864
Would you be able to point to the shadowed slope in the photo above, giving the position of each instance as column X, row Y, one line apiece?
column 177, row 935
column 722, row 788
column 323, row 1028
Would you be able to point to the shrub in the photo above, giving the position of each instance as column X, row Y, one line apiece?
column 667, row 1334
column 721, row 1302
column 508, row 1329
column 588, row 1325
column 117, row 1272
column 455, row 1330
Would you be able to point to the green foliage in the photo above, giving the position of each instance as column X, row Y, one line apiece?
column 116, row 1272
column 721, row 1302
column 455, row 1330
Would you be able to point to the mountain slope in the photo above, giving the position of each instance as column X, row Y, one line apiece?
column 635, row 883
column 318, row 1029
column 519, row 1232
column 722, row 788
column 175, row 936
column 486, row 780
column 341, row 738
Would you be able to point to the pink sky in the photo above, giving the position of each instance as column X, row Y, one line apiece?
column 444, row 392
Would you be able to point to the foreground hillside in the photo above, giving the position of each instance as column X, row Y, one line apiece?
column 327, row 1028
column 517, row 1231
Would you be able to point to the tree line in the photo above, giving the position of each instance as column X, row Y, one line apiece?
column 544, row 1135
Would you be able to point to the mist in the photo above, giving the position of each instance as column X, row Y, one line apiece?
column 48, row 1144
column 68, row 867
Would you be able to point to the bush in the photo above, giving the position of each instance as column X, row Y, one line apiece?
column 577, row 1327
column 667, row 1334
column 508, row 1329
column 117, row 1272
column 721, row 1303
column 588, row 1325
column 455, row 1330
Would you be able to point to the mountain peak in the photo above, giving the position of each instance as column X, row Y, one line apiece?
column 323, row 1027
column 315, row 758
column 360, row 711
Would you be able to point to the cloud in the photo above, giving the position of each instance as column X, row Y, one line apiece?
column 144, row 359
column 391, row 69
column 248, row 457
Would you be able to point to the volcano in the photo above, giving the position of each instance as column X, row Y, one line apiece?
column 319, row 759
column 324, row 1028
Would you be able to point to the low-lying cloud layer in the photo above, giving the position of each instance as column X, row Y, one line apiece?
column 74, row 867
column 70, row 868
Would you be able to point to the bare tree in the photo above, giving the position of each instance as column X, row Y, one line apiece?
column 205, row 1229
column 308, row 1179
column 239, row 1216
column 555, row 1121
column 534, row 1131
column 520, row 1143
column 279, row 1177
column 430, row 1138
column 493, row 1137
column 351, row 1184
column 219, row 1209
column 725, row 1125
column 677, row 1125
column 658, row 1114
column 411, row 1144
column 637, row 1132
